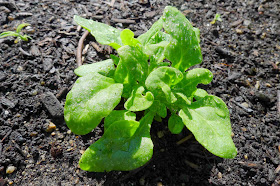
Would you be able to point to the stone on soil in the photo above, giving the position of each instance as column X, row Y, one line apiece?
column 10, row 169
column 52, row 105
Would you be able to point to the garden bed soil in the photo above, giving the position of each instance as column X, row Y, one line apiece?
column 242, row 51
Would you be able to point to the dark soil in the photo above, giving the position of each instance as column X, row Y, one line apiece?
column 242, row 51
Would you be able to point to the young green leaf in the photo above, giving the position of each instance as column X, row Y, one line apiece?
column 21, row 26
column 191, row 79
column 137, row 101
column 103, row 67
column 183, row 50
column 208, row 120
column 161, row 79
column 92, row 98
column 104, row 34
column 159, row 108
column 127, row 37
column 175, row 124
column 127, row 149
column 115, row 59
column 146, row 37
column 118, row 115
column 132, row 68
column 9, row 33
column 199, row 94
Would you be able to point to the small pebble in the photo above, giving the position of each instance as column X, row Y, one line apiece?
column 159, row 184
column 220, row 175
column 268, row 85
column 263, row 35
column 243, row 129
column 34, row 92
column 160, row 134
column 53, row 133
column 51, row 127
column 68, row 131
column 244, row 104
column 34, row 133
column 10, row 169
column 142, row 181
column 246, row 22
column 257, row 85
column 239, row 31
column 19, row 68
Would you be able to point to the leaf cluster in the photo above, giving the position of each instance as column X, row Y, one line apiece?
column 17, row 33
column 151, row 75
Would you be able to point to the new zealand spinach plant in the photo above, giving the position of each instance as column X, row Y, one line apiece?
column 142, row 77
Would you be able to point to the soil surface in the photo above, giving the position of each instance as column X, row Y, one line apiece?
column 242, row 51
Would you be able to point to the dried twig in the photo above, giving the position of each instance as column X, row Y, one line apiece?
column 278, row 101
column 184, row 139
column 192, row 165
column 8, row 133
column 24, row 52
column 97, row 48
column 112, row 3
column 125, row 21
column 241, row 106
column 80, row 48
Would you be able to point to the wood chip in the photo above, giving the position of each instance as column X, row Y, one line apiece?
column 125, row 21
column 192, row 165
column 236, row 23
column 277, row 170
column 97, row 48
column 250, row 164
column 278, row 106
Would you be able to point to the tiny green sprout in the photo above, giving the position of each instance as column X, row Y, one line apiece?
column 216, row 18
column 17, row 33
column 151, row 74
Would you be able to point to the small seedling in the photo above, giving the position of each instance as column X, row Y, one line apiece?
column 216, row 18
column 17, row 33
column 149, row 85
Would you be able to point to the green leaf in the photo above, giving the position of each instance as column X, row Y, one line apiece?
column 139, row 101
column 118, row 115
column 115, row 59
column 24, row 37
column 182, row 100
column 127, row 37
column 159, row 108
column 146, row 37
column 216, row 18
column 127, row 149
column 21, row 26
column 161, row 79
column 8, row 33
column 183, row 50
column 199, row 94
column 103, row 67
column 104, row 34
column 208, row 120
column 132, row 68
column 191, row 79
column 92, row 98
column 175, row 124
